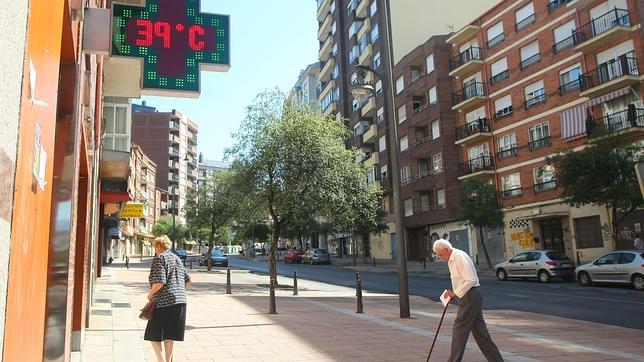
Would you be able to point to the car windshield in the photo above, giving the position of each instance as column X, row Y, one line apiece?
column 217, row 253
column 557, row 255
column 320, row 251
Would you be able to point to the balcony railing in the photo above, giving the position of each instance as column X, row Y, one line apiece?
column 483, row 163
column 473, row 53
column 502, row 113
column 422, row 140
column 545, row 186
column 624, row 65
column 612, row 19
column 419, row 108
column 478, row 126
column 507, row 153
column 537, row 99
column 525, row 22
column 623, row 120
column 530, row 61
column 495, row 41
column 540, row 143
column 570, row 86
column 470, row 91
column 563, row 44
column 513, row 192
column 427, row 208
column 554, row 4
column 499, row 77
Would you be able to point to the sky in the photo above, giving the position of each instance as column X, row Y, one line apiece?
column 271, row 42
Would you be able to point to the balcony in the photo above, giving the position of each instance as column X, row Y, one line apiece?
column 325, row 27
column 366, row 26
column 365, row 56
column 540, row 143
column 466, row 62
column 480, row 166
column 554, row 4
column 535, row 100
column 173, row 165
column 530, row 61
column 499, row 77
column 330, row 109
column 324, row 6
column 368, row 107
column 173, row 140
column 326, row 74
column 373, row 160
column 174, row 127
column 326, row 88
column 370, row 135
column 544, row 186
column 326, row 50
column 495, row 41
column 461, row 36
column 627, row 120
column 473, row 132
column 525, row 23
column 191, row 150
column 564, row 44
column 569, row 87
column 507, row 153
column 192, row 162
column 173, row 153
column 610, row 76
column 173, row 178
column 607, row 29
column 513, row 192
column 470, row 97
column 362, row 10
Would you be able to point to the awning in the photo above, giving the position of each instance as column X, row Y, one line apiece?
column 112, row 197
column 545, row 215
column 190, row 242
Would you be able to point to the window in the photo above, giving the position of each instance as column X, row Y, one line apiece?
column 535, row 93
column 117, row 127
column 351, row 6
column 436, row 129
column 354, row 53
column 520, row 258
column 437, row 162
column 373, row 8
column 499, row 70
column 336, row 72
column 379, row 87
column 544, row 178
column 432, row 96
column 336, row 94
column 354, row 78
column 539, row 135
column 511, row 185
column 524, row 16
column 372, row 175
column 402, row 114
column 333, row 28
column 503, row 106
column 530, row 55
column 429, row 63
column 355, row 105
column 353, row 29
column 335, row 49
column 382, row 143
column 405, row 175
column 374, row 33
column 570, row 79
column 440, row 198
column 383, row 172
column 564, row 36
column 404, row 143
column 409, row 207
column 380, row 114
column 495, row 34
column 362, row 43
column 376, row 60
column 400, row 84
column 588, row 233
column 507, row 145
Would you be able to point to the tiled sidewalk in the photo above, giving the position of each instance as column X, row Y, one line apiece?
column 321, row 325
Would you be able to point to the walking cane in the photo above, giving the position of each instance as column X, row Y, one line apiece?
column 438, row 329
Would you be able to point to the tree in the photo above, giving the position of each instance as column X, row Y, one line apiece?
column 295, row 165
column 163, row 226
column 603, row 174
column 212, row 205
column 480, row 207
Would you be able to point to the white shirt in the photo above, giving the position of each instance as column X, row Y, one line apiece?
column 638, row 244
column 462, row 272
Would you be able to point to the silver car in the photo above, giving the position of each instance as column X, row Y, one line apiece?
column 624, row 266
column 316, row 256
column 542, row 264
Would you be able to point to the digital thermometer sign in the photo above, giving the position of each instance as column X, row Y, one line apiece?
column 174, row 40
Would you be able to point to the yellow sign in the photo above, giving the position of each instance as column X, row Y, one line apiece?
column 132, row 210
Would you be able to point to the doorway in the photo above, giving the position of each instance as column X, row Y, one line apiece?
column 552, row 235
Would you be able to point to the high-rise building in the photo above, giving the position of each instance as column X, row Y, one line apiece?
column 208, row 168
column 305, row 90
column 535, row 78
column 170, row 140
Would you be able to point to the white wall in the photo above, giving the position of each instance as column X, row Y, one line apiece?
column 12, row 42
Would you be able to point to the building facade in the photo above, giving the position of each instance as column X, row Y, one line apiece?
column 305, row 90
column 207, row 168
column 170, row 140
column 144, row 171
column 533, row 78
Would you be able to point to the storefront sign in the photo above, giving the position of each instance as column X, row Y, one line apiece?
column 175, row 41
column 132, row 210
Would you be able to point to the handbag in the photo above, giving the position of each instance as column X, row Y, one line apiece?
column 148, row 310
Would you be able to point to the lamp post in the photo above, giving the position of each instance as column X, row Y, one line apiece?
column 175, row 201
column 362, row 91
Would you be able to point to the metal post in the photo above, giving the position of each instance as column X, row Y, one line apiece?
column 271, row 305
column 190, row 264
column 228, row 291
column 374, row 261
column 358, row 294
column 295, row 283
column 127, row 262
column 357, row 279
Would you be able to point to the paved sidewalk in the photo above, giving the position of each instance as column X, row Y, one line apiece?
column 321, row 325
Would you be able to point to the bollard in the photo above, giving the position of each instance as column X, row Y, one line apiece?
column 374, row 261
column 357, row 279
column 294, row 283
column 425, row 263
column 127, row 262
column 271, row 305
column 359, row 295
column 228, row 291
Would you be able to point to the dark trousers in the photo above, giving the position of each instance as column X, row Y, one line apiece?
column 470, row 318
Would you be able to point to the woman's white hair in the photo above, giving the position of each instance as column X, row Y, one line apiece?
column 164, row 241
column 442, row 244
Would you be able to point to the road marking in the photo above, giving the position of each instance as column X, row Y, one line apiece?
column 568, row 295
column 509, row 356
column 517, row 295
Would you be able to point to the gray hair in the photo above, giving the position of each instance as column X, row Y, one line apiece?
column 442, row 244
column 163, row 241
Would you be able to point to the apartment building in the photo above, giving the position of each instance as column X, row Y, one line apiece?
column 305, row 90
column 208, row 168
column 536, row 77
column 145, row 171
column 170, row 140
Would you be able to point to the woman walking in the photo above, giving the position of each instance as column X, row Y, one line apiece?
column 168, row 281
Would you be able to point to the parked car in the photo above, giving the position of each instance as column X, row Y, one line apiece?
column 316, row 256
column 217, row 256
column 541, row 264
column 181, row 253
column 624, row 267
column 294, row 256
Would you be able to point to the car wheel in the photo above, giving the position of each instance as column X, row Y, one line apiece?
column 638, row 281
column 584, row 279
column 544, row 276
column 501, row 275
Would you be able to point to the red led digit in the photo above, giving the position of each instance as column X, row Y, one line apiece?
column 145, row 30
column 194, row 43
column 162, row 30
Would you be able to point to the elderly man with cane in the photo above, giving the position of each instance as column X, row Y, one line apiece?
column 465, row 285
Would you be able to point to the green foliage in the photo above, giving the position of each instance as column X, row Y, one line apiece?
column 163, row 226
column 480, row 204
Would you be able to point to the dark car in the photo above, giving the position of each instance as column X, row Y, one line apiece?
column 181, row 253
column 316, row 256
column 294, row 256
column 217, row 256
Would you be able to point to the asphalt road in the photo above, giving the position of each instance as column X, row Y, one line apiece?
column 614, row 305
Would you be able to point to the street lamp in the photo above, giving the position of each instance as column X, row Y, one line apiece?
column 362, row 91
column 175, row 201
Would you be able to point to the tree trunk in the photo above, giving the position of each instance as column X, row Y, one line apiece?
column 272, row 267
column 614, row 223
column 210, row 244
column 354, row 246
column 487, row 256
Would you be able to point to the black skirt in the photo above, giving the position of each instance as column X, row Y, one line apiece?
column 167, row 323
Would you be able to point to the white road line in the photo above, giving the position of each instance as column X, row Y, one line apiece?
column 568, row 296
